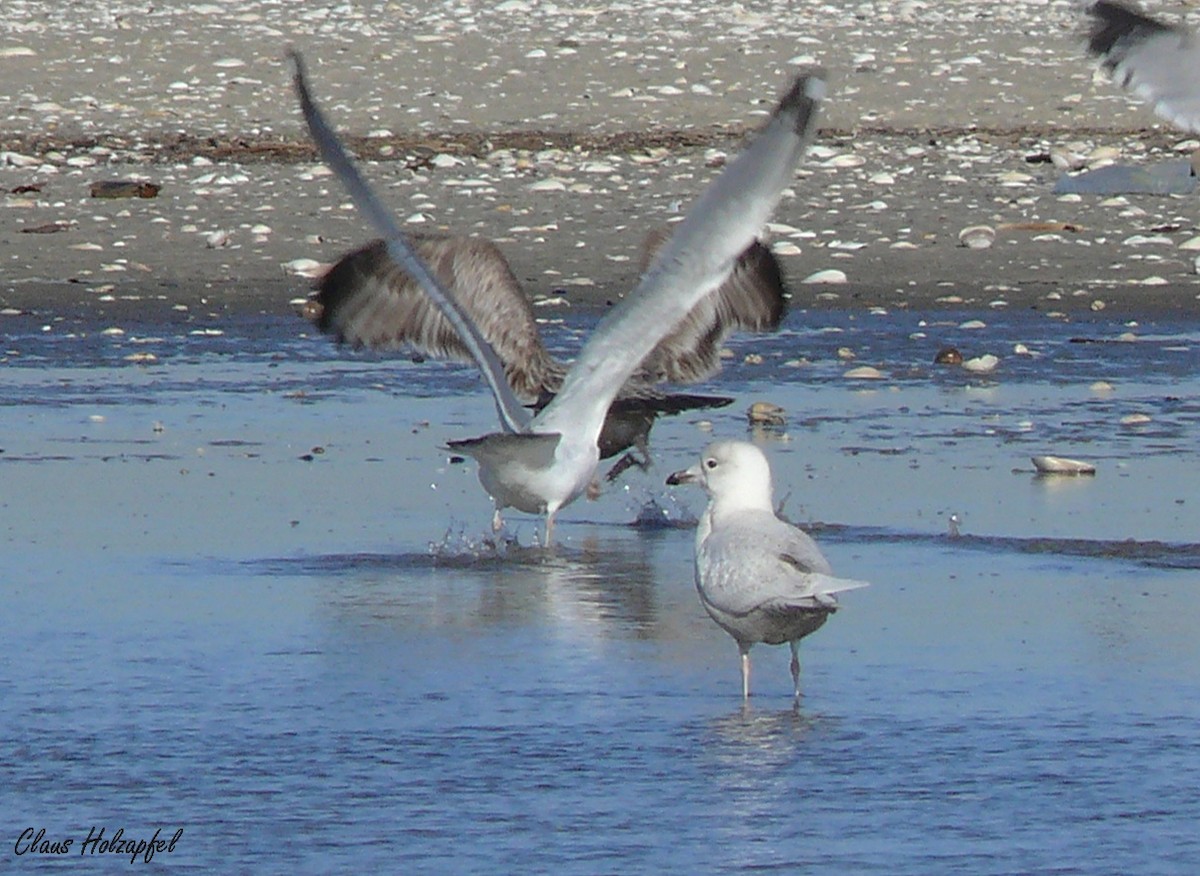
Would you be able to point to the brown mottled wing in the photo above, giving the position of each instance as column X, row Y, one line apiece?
column 368, row 301
column 753, row 298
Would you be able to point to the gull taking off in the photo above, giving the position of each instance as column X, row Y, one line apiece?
column 761, row 579
column 540, row 464
column 1158, row 62
column 367, row 300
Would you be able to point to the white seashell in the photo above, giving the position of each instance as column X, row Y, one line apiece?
column 845, row 160
column 229, row 63
column 310, row 268
column 1192, row 243
column 981, row 364
column 1062, row 465
column 1135, row 420
column 217, row 239
column 548, row 185
column 1101, row 386
column 882, row 179
column 16, row 159
column 864, row 372
column 442, row 159
column 1067, row 159
column 977, row 236
column 829, row 275
column 972, row 324
column 17, row 52
column 785, row 248
column 1144, row 240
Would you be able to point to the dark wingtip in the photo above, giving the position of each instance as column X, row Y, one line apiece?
column 1113, row 23
column 804, row 96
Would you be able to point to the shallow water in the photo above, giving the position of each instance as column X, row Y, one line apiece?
column 248, row 597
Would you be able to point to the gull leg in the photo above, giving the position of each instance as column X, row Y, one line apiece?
column 745, row 650
column 795, row 643
column 497, row 520
column 549, row 528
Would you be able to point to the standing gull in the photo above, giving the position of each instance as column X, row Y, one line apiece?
column 761, row 579
column 540, row 464
column 366, row 300
column 1157, row 62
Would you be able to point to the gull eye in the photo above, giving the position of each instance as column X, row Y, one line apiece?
column 710, row 463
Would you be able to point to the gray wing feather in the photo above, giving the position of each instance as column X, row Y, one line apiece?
column 759, row 562
column 698, row 258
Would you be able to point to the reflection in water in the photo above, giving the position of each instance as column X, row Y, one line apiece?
column 204, row 629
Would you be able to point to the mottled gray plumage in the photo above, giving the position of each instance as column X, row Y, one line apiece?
column 760, row 578
column 366, row 300
column 1158, row 62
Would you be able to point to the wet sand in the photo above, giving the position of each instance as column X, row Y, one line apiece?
column 563, row 135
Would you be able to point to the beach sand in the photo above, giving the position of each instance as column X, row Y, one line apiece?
column 563, row 134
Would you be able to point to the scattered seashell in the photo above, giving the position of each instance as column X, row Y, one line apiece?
column 981, row 364
column 1135, row 420
column 827, row 276
column 977, row 236
column 766, row 414
column 310, row 268
column 1062, row 465
column 864, row 372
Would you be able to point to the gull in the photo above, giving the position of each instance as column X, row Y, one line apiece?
column 367, row 301
column 539, row 464
column 1158, row 62
column 760, row 578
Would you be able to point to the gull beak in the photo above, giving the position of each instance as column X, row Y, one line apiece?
column 687, row 476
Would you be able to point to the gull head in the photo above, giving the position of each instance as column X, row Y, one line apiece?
column 733, row 473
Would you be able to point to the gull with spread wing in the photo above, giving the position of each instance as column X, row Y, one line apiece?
column 540, row 463
column 367, row 301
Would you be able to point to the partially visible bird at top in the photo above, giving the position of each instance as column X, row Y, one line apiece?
column 1158, row 62
column 760, row 578
column 541, row 463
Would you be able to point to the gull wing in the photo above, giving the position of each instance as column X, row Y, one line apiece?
column 753, row 298
column 513, row 417
column 697, row 259
column 367, row 300
column 1155, row 61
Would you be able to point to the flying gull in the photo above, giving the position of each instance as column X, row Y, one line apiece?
column 760, row 578
column 368, row 301
column 1158, row 62
column 540, row 463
